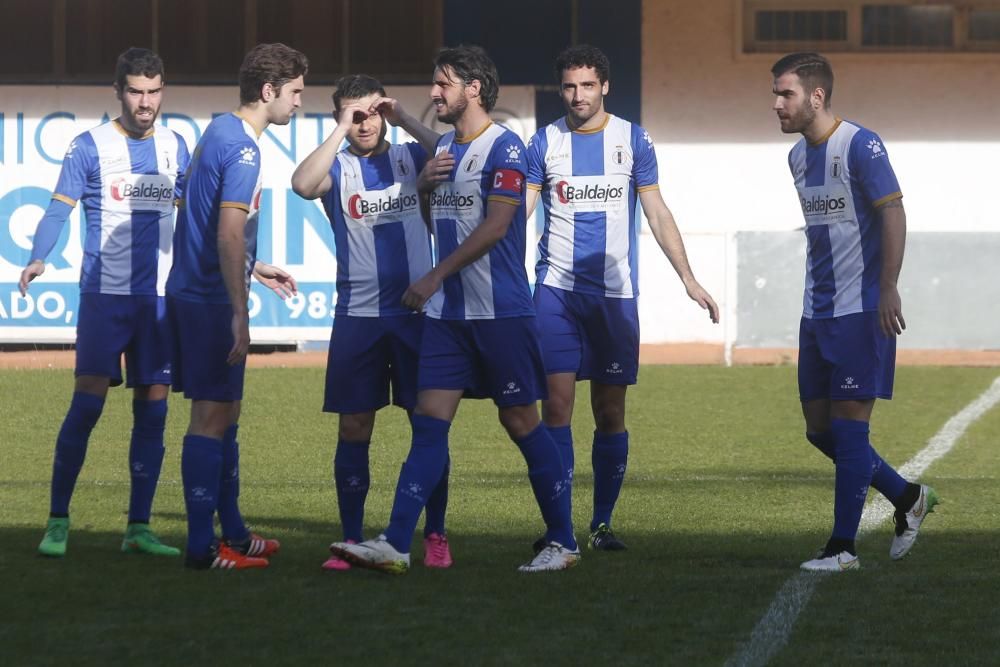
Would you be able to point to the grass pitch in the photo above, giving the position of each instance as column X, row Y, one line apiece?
column 722, row 501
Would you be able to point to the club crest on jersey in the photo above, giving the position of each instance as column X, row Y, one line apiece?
column 472, row 164
column 618, row 156
column 403, row 168
column 248, row 156
column 835, row 168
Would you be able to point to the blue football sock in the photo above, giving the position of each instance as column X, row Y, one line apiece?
column 437, row 504
column 546, row 472
column 71, row 448
column 201, row 465
column 853, row 476
column 352, row 478
column 885, row 479
column 563, row 437
column 230, row 519
column 610, row 459
column 419, row 475
column 145, row 456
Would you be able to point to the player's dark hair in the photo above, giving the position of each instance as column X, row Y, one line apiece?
column 354, row 87
column 813, row 70
column 275, row 64
column 470, row 63
column 134, row 61
column 583, row 55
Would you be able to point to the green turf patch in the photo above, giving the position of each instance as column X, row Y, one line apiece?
column 723, row 499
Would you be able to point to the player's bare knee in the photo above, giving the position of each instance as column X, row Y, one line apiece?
column 519, row 420
column 557, row 411
column 356, row 427
column 92, row 384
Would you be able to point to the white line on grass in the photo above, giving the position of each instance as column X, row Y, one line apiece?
column 773, row 630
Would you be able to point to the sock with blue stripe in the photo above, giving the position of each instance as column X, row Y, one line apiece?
column 230, row 518
column 546, row 472
column 145, row 456
column 853, row 475
column 201, row 466
column 420, row 473
column 437, row 504
column 71, row 448
column 885, row 479
column 610, row 459
column 352, row 478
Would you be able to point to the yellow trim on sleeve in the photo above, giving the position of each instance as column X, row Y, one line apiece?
column 64, row 199
column 645, row 188
column 535, row 186
column 881, row 201
column 179, row 203
column 235, row 204
column 505, row 200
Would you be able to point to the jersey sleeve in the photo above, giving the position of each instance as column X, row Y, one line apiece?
column 645, row 171
column 329, row 199
column 507, row 169
column 183, row 161
column 418, row 154
column 79, row 163
column 537, row 147
column 240, row 170
column 871, row 170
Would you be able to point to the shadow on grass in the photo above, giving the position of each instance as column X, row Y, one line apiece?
column 670, row 599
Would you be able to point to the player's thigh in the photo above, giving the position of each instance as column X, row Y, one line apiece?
column 817, row 415
column 203, row 337
column 509, row 360
column 148, row 354
column 357, row 368
column 610, row 339
column 863, row 358
column 814, row 370
column 404, row 334
column 559, row 330
column 103, row 331
column 608, row 404
column 447, row 357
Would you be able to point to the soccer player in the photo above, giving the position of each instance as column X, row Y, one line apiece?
column 125, row 173
column 855, row 234
column 480, row 336
column 369, row 191
column 589, row 167
column 215, row 249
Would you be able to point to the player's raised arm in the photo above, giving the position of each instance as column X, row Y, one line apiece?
column 311, row 179
column 393, row 111
column 668, row 237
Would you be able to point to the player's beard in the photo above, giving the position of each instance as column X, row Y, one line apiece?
column 453, row 112
column 579, row 117
column 800, row 121
column 141, row 123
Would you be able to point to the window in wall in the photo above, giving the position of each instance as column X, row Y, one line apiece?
column 771, row 26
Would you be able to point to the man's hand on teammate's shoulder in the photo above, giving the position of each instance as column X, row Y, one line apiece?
column 31, row 271
column 435, row 172
column 276, row 279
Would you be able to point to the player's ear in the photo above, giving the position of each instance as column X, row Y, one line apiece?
column 118, row 91
column 604, row 88
column 267, row 92
column 474, row 87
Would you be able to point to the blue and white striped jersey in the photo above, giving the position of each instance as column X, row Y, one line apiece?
column 224, row 173
column 589, row 181
column 841, row 181
column 382, row 242
column 489, row 166
column 127, row 187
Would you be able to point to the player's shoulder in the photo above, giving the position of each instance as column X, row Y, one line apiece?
column 508, row 148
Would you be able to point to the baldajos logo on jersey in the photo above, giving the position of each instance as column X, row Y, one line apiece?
column 569, row 193
column 363, row 205
column 822, row 205
column 449, row 199
column 139, row 192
